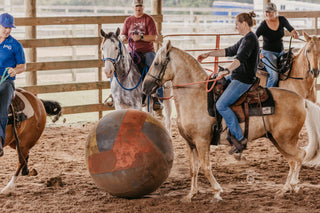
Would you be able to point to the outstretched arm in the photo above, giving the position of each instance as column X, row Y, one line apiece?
column 213, row 53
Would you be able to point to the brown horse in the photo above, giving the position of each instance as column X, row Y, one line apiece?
column 195, row 125
column 306, row 64
column 29, row 132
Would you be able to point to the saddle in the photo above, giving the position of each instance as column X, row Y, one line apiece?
column 284, row 65
column 256, row 101
column 22, row 109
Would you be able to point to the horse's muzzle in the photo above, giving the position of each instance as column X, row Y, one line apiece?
column 149, row 86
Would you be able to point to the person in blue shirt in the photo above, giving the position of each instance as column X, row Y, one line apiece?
column 243, row 72
column 12, row 62
column 272, row 31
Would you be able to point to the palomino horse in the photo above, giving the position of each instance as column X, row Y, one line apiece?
column 29, row 132
column 305, row 66
column 126, row 86
column 195, row 125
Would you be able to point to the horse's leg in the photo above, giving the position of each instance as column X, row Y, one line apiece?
column 194, row 171
column 23, row 165
column 294, row 155
column 298, row 163
column 203, row 148
column 287, row 186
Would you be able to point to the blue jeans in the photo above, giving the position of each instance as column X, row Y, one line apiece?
column 149, row 57
column 6, row 93
column 272, row 57
column 234, row 90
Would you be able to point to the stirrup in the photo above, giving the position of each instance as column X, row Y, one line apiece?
column 109, row 101
column 234, row 149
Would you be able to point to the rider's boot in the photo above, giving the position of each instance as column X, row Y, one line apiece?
column 157, row 105
column 109, row 101
column 237, row 146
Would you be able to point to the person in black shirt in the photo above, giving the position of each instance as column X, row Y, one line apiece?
column 243, row 72
column 272, row 31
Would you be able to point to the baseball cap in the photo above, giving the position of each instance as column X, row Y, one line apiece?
column 7, row 20
column 137, row 2
column 270, row 7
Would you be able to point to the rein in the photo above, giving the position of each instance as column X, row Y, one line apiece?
column 162, row 72
column 4, row 76
column 274, row 68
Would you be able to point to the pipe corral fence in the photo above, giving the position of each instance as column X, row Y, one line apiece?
column 32, row 44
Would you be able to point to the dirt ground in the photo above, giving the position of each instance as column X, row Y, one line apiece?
column 63, row 183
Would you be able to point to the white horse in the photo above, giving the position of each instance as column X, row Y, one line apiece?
column 126, row 86
column 195, row 124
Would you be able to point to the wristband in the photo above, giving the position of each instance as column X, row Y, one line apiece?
column 141, row 37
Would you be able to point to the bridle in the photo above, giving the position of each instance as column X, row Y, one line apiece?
column 117, row 59
column 158, row 79
column 309, row 66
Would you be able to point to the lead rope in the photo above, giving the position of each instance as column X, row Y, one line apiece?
column 5, row 75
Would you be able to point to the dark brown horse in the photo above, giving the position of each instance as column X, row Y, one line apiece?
column 29, row 131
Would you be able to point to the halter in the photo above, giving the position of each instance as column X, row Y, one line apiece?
column 117, row 59
column 162, row 71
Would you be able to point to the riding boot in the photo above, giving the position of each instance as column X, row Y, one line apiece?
column 237, row 146
column 109, row 101
column 157, row 104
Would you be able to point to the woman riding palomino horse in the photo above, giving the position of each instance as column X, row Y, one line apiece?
column 243, row 75
column 272, row 31
column 195, row 125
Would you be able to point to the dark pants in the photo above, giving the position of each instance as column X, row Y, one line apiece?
column 6, row 93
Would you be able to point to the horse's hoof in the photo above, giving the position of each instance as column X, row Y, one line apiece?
column 237, row 156
column 216, row 200
column 186, row 199
column 33, row 172
column 296, row 188
column 279, row 194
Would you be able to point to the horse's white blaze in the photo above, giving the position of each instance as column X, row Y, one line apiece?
column 108, row 69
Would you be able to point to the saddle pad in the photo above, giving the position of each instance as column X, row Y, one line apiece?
column 22, row 108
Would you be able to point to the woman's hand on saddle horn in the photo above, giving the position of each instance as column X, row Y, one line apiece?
column 223, row 73
column 12, row 72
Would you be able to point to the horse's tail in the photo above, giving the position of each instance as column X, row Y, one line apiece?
column 312, row 157
column 52, row 108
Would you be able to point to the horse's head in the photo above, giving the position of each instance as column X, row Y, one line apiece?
column 111, row 51
column 159, row 71
column 312, row 53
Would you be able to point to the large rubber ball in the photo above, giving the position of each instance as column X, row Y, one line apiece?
column 129, row 153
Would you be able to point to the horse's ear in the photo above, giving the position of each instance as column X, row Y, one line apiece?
column 168, row 46
column 103, row 34
column 118, row 32
column 306, row 36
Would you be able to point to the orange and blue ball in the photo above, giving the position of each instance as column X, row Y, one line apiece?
column 129, row 153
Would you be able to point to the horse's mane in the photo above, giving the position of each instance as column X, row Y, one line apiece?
column 192, row 62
